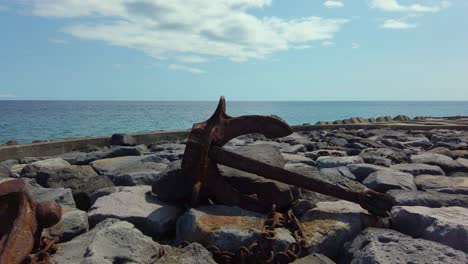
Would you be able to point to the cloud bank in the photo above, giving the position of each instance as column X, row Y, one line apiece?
column 191, row 30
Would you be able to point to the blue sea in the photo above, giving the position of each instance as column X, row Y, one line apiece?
column 25, row 121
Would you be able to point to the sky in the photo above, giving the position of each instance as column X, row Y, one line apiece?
column 259, row 50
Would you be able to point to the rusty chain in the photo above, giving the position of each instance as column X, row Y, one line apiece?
column 46, row 248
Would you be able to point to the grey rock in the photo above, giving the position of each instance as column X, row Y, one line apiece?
column 313, row 259
column 135, row 178
column 62, row 196
column 445, row 225
column 172, row 185
column 115, row 151
column 362, row 171
column 338, row 142
column 382, row 181
column 194, row 253
column 419, row 143
column 127, row 164
column 4, row 172
column 297, row 158
column 384, row 246
column 73, row 223
column 104, row 191
column 396, row 156
column 72, row 157
column 375, row 159
column 328, row 226
column 418, row 169
column 463, row 164
column 339, row 171
column 324, row 152
column 111, row 241
column 428, row 199
column 401, row 118
column 30, row 171
column 138, row 206
column 454, row 185
column 123, row 140
column 9, row 163
column 444, row 162
column 82, row 180
column 292, row 149
column 331, row 162
column 168, row 147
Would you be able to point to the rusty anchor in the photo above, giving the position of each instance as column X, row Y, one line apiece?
column 204, row 150
column 22, row 221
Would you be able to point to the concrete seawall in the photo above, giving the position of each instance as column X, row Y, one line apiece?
column 58, row 147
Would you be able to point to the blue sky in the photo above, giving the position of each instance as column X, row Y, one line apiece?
column 243, row 49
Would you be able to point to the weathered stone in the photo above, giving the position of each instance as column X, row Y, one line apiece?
column 446, row 225
column 135, row 178
column 337, row 142
column 228, row 228
column 444, row 162
column 115, row 151
column 111, row 241
column 127, row 164
column 363, row 170
column 331, row 162
column 15, row 170
column 463, row 164
column 328, row 226
column 123, row 140
column 32, row 169
column 4, row 172
column 292, row 149
column 73, row 223
column 172, row 185
column 418, row 169
column 401, row 118
column 339, row 171
column 455, row 185
column 167, row 147
column 62, row 196
column 83, row 181
column 428, row 199
column 384, row 246
column 72, row 157
column 324, row 152
column 375, row 159
column 9, row 163
column 297, row 158
column 383, row 181
column 313, row 259
column 418, row 143
column 194, row 253
column 138, row 206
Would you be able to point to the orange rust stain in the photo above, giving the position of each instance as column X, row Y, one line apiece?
column 212, row 223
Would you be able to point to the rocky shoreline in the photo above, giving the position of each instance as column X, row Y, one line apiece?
column 122, row 203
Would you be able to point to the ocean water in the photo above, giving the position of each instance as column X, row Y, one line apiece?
column 26, row 121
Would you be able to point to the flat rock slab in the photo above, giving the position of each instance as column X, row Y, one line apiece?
column 314, row 259
column 418, row 169
column 445, row 225
column 115, row 151
column 445, row 162
column 428, row 199
column 363, row 170
column 194, row 253
column 30, row 170
column 328, row 226
column 127, row 164
column 111, row 241
column 298, row 158
column 382, row 181
column 331, row 162
column 454, row 185
column 226, row 227
column 172, row 185
column 338, row 172
column 62, row 196
column 385, row 246
column 138, row 206
column 74, row 222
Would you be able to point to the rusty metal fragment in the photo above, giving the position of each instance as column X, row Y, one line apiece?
column 22, row 221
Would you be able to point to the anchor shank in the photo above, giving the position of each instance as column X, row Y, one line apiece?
column 376, row 203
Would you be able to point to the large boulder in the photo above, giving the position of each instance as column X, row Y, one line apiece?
column 172, row 185
column 454, row 185
column 194, row 253
column 444, row 162
column 445, row 225
column 362, row 171
column 82, row 180
column 331, row 162
column 314, row 259
column 138, row 206
column 123, row 140
column 382, row 181
column 428, row 199
column 297, row 158
column 338, row 172
column 111, row 241
column 384, row 246
column 328, row 226
column 127, row 164
column 30, row 170
column 114, row 151
column 74, row 222
column 62, row 196
column 418, row 169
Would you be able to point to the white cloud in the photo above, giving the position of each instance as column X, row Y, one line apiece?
column 397, row 24
column 7, row 96
column 328, row 43
column 192, row 59
column 301, row 47
column 333, row 4
column 177, row 67
column 355, row 45
column 395, row 6
column 205, row 28
column 4, row 8
column 117, row 65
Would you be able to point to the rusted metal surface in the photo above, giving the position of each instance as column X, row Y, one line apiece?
column 203, row 152
column 22, row 221
column 217, row 131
